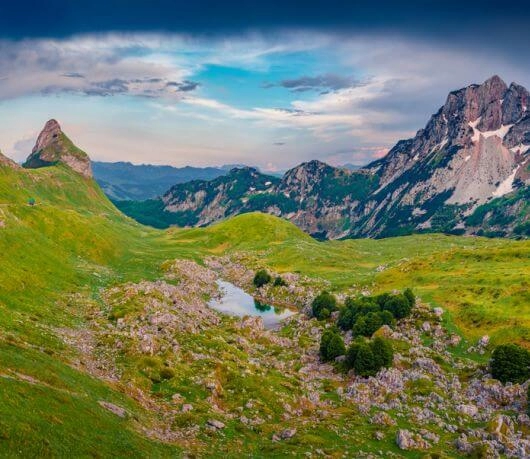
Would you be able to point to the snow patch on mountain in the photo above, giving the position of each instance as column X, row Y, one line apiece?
column 506, row 186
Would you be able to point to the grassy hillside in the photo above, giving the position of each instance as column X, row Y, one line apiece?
column 59, row 253
column 72, row 240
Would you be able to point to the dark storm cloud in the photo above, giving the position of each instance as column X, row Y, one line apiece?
column 319, row 83
column 184, row 86
column 488, row 21
column 486, row 27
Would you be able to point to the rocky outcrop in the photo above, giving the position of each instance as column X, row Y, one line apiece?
column 54, row 147
column 5, row 161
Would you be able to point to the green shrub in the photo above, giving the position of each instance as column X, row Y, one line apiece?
column 361, row 359
column 323, row 305
column 410, row 297
column 399, row 305
column 331, row 345
column 166, row 373
column 261, row 278
column 367, row 358
column 383, row 353
column 387, row 318
column 355, row 308
column 279, row 282
column 510, row 363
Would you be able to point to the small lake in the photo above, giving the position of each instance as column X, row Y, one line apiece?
column 236, row 302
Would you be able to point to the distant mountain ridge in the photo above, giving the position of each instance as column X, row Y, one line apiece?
column 465, row 172
column 127, row 181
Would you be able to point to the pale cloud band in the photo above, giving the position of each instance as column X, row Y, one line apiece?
column 371, row 93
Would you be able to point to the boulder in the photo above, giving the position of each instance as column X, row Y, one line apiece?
column 468, row 410
column 186, row 408
column 285, row 434
column 117, row 410
column 215, row 424
column 407, row 440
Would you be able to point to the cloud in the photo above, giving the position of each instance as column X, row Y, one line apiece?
column 94, row 66
column 319, row 83
column 183, row 86
column 23, row 146
column 398, row 84
column 73, row 75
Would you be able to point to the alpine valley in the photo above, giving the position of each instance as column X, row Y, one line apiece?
column 124, row 340
column 466, row 172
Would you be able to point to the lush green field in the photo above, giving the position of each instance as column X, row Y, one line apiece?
column 74, row 241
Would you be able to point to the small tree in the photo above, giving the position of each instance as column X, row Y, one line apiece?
column 383, row 353
column 387, row 318
column 323, row 305
column 399, row 306
column 510, row 363
column 363, row 360
column 410, row 297
column 367, row 325
column 261, row 278
column 331, row 345
column 367, row 358
column 279, row 282
column 346, row 318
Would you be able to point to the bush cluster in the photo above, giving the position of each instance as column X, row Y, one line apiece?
column 365, row 315
column 262, row 277
column 510, row 363
column 279, row 282
column 366, row 358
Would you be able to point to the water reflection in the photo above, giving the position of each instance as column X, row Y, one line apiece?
column 237, row 302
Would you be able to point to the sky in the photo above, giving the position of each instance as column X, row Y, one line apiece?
column 269, row 84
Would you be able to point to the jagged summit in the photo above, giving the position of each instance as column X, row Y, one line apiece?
column 53, row 146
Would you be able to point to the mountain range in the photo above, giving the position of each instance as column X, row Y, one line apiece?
column 467, row 172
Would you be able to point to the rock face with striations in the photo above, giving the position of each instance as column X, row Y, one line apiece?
column 54, row 147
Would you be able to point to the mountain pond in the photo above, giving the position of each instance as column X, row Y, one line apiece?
column 236, row 302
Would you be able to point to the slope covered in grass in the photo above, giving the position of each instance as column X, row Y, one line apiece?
column 58, row 254
column 72, row 241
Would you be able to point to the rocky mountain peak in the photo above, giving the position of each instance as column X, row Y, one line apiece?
column 53, row 147
column 49, row 134
column 302, row 178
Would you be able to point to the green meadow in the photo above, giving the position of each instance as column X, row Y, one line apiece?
column 74, row 241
